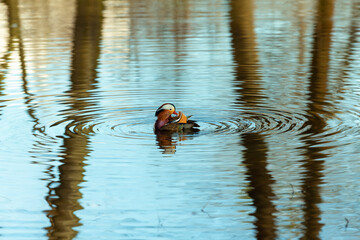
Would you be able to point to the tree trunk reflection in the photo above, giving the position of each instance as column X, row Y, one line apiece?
column 313, row 162
column 249, row 84
column 64, row 198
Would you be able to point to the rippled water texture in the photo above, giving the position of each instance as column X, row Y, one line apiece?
column 274, row 86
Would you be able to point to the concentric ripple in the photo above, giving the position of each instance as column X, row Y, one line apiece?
column 259, row 121
column 138, row 123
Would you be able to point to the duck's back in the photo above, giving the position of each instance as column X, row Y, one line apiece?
column 190, row 125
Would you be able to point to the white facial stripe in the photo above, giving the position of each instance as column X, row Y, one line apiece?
column 168, row 106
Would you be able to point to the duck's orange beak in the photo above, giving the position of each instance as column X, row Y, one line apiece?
column 175, row 113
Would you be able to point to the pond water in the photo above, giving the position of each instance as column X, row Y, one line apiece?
column 274, row 86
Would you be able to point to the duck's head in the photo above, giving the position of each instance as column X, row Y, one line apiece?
column 167, row 109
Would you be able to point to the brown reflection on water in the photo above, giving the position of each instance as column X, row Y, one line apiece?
column 313, row 162
column 244, row 52
column 16, row 37
column 64, row 198
column 351, row 46
column 248, row 83
column 167, row 140
column 10, row 46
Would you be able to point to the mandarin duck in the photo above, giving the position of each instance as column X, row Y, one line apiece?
column 165, row 122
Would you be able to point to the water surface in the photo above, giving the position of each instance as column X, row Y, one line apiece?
column 274, row 86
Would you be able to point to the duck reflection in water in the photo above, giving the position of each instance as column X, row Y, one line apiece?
column 171, row 129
